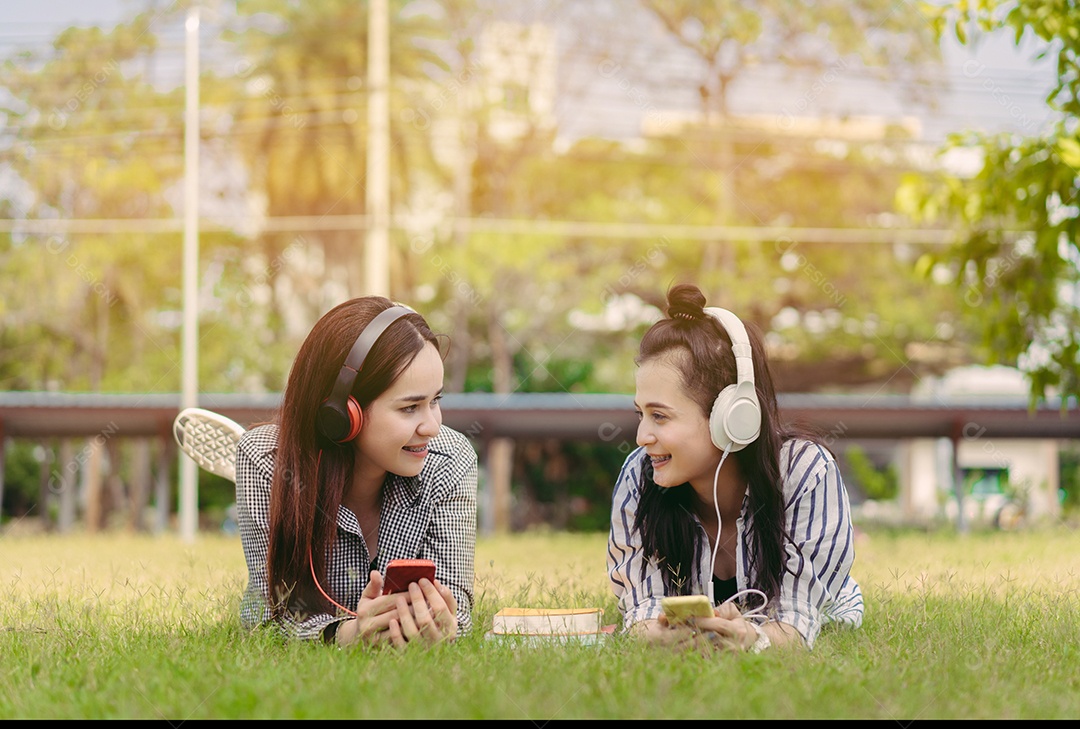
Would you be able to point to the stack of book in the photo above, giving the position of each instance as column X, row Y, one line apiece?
column 524, row 625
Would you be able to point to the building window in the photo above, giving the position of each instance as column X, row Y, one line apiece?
column 982, row 483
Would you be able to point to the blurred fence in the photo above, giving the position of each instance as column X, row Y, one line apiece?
column 78, row 436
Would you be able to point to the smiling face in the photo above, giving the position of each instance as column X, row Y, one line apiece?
column 672, row 428
column 399, row 423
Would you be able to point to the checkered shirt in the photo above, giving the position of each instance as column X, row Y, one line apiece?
column 430, row 516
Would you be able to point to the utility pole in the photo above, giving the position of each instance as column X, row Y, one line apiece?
column 377, row 242
column 188, row 506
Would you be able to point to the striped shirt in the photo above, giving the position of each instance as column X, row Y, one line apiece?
column 817, row 587
column 430, row 516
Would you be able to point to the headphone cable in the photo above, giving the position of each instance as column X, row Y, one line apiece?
column 311, row 562
column 716, row 547
column 756, row 613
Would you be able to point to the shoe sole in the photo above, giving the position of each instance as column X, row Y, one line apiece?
column 209, row 439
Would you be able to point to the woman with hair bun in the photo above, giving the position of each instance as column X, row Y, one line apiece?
column 723, row 499
column 356, row 470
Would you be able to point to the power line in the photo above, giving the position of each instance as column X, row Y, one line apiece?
column 506, row 226
column 686, row 76
column 274, row 97
column 301, row 124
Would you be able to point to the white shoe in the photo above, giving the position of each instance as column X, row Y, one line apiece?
column 209, row 439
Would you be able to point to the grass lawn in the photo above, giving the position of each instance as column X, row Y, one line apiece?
column 983, row 625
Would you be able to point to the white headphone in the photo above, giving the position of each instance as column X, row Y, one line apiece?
column 735, row 420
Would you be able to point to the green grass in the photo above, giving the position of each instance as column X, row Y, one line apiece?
column 985, row 625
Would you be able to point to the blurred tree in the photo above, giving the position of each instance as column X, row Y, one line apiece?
column 95, row 329
column 502, row 295
column 840, row 313
column 92, row 138
column 1018, row 217
column 94, row 135
column 731, row 37
column 520, row 301
column 837, row 314
column 299, row 121
column 482, row 181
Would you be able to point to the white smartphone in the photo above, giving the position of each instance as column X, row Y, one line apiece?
column 679, row 608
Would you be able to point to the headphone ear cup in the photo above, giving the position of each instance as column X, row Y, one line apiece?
column 356, row 419
column 735, row 419
column 720, row 407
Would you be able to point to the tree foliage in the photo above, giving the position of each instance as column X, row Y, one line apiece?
column 732, row 36
column 479, row 169
column 1017, row 217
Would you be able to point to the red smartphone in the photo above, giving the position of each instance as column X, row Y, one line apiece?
column 400, row 572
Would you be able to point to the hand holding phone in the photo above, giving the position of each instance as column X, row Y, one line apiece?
column 401, row 572
column 680, row 608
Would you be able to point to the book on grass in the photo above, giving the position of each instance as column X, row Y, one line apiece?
column 548, row 625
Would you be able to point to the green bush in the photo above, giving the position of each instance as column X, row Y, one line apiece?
column 879, row 484
column 22, row 474
column 1069, row 478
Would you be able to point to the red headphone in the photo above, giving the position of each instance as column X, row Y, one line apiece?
column 339, row 417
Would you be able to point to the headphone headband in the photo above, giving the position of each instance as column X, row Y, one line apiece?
column 335, row 418
column 363, row 344
column 740, row 343
column 735, row 419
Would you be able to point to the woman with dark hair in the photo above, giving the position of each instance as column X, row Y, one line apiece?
column 356, row 470
column 766, row 533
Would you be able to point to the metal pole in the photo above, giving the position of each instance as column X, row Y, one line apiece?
column 189, row 484
column 958, row 479
column 377, row 248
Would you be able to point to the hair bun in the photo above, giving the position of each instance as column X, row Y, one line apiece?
column 685, row 301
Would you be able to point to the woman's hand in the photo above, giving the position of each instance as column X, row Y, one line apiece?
column 727, row 629
column 730, row 630
column 660, row 632
column 427, row 613
column 376, row 621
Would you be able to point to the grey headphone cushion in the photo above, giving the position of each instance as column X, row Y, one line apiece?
column 735, row 418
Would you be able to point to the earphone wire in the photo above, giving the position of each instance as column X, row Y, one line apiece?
column 758, row 612
column 316, row 579
column 716, row 547
column 311, row 562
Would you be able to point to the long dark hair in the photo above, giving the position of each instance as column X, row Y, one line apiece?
column 706, row 365
column 312, row 472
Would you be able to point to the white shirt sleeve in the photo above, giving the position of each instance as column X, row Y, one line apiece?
column 638, row 596
column 817, row 587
